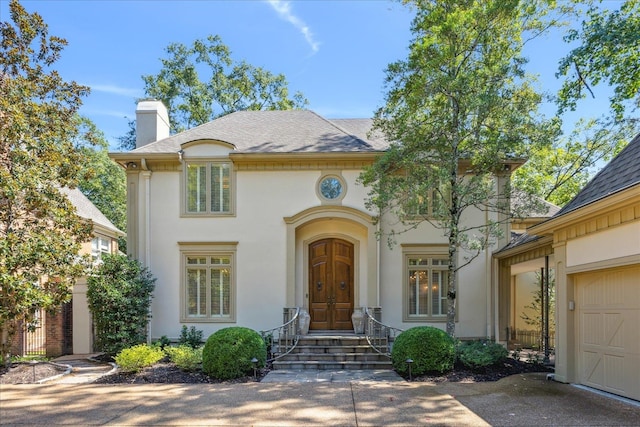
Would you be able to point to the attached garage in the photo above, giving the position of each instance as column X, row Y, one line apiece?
column 596, row 252
column 608, row 330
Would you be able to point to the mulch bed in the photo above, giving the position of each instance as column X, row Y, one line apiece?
column 29, row 373
column 168, row 373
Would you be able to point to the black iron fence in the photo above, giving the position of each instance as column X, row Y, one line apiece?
column 531, row 339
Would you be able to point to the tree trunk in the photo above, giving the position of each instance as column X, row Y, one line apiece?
column 452, row 282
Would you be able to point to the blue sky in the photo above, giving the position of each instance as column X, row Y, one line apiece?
column 334, row 52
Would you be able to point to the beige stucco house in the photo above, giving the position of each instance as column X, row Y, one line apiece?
column 593, row 245
column 261, row 210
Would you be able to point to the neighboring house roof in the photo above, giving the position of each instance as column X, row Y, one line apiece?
column 88, row 210
column 620, row 173
column 547, row 209
column 290, row 131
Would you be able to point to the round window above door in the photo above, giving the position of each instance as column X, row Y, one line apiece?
column 331, row 188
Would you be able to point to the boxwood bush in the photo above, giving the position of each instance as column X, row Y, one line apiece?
column 227, row 353
column 133, row 359
column 480, row 354
column 431, row 350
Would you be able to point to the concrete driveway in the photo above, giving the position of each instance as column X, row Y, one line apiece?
column 519, row 400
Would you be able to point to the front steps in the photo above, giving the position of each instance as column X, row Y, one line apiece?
column 331, row 351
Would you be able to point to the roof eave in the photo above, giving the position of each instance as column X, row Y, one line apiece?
column 582, row 213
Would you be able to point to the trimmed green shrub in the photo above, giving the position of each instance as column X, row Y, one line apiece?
column 162, row 343
column 481, row 353
column 228, row 353
column 119, row 295
column 191, row 337
column 431, row 350
column 133, row 359
column 185, row 357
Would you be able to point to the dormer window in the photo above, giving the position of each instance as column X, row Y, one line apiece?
column 208, row 188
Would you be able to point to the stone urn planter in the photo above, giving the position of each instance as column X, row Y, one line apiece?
column 304, row 320
column 357, row 318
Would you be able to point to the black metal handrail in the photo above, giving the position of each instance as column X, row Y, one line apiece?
column 282, row 339
column 379, row 336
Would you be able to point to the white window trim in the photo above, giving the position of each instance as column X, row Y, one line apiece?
column 425, row 251
column 184, row 212
column 100, row 249
column 208, row 249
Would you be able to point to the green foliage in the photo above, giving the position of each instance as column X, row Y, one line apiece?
column 40, row 232
column 228, row 85
column 557, row 171
column 191, row 337
column 162, row 343
column 608, row 51
column 431, row 350
column 185, row 357
column 460, row 107
column 133, row 359
column 119, row 295
column 228, row 353
column 481, row 353
column 33, row 358
column 535, row 306
column 103, row 181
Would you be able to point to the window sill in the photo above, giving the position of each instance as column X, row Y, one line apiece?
column 439, row 319
column 207, row 320
column 207, row 215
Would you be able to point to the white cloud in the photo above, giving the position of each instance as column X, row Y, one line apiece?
column 283, row 9
column 116, row 90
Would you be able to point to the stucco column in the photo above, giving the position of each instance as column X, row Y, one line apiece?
column 145, row 220
column 132, row 211
column 565, row 317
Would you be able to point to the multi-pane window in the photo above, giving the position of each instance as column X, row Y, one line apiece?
column 426, row 286
column 208, row 287
column 100, row 246
column 208, row 188
column 426, row 203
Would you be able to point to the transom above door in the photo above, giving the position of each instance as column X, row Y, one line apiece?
column 331, row 284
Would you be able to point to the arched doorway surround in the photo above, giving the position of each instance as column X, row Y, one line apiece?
column 332, row 222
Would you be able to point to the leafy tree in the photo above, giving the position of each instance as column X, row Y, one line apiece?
column 103, row 182
column 40, row 233
column 460, row 107
column 119, row 294
column 608, row 51
column 557, row 171
column 228, row 86
column 533, row 315
column 201, row 82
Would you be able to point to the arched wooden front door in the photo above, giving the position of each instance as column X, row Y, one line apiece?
column 331, row 284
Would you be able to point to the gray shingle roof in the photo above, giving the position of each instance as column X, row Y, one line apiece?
column 518, row 240
column 88, row 210
column 620, row 173
column 291, row 131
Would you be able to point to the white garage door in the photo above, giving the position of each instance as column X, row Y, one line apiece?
column 608, row 330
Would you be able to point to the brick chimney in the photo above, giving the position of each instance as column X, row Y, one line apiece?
column 152, row 122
